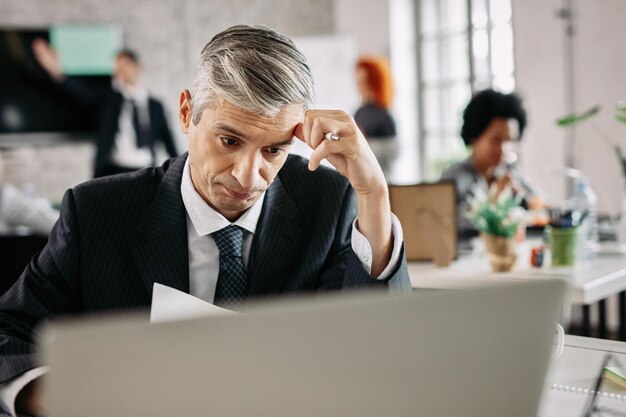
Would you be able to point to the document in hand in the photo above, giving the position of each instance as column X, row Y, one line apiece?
column 170, row 304
column 447, row 353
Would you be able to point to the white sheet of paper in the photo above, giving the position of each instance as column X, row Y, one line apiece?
column 170, row 304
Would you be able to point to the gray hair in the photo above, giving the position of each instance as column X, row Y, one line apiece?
column 254, row 68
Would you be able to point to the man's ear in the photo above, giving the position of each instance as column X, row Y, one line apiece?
column 184, row 111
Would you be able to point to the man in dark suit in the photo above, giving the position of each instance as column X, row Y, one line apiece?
column 130, row 122
column 235, row 218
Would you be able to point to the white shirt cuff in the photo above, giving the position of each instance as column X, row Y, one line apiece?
column 9, row 390
column 363, row 249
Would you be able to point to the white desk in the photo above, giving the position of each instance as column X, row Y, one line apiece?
column 578, row 367
column 589, row 282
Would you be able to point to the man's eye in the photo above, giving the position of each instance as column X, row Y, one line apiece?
column 228, row 141
column 275, row 151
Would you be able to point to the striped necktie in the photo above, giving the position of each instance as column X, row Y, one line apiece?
column 231, row 287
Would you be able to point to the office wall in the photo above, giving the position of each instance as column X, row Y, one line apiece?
column 598, row 78
column 366, row 21
column 168, row 34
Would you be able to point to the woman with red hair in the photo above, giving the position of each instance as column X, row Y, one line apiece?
column 373, row 118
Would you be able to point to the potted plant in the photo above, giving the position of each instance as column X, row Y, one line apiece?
column 497, row 215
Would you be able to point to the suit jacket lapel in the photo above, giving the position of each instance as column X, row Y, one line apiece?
column 164, row 256
column 275, row 242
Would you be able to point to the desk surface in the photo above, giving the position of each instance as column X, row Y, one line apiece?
column 590, row 282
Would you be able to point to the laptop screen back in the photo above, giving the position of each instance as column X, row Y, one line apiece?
column 473, row 352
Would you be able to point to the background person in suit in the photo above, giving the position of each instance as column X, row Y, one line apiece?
column 235, row 218
column 131, row 122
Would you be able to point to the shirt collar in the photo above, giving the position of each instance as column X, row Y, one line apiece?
column 204, row 218
column 137, row 93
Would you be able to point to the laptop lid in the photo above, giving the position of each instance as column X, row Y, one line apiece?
column 474, row 352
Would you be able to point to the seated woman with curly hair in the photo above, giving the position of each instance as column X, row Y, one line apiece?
column 490, row 121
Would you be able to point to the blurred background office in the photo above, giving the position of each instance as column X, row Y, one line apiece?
column 440, row 53
column 561, row 56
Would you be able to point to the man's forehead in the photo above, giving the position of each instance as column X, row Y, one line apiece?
column 245, row 124
column 290, row 114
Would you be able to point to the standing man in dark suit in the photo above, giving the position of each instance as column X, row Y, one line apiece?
column 131, row 122
column 236, row 218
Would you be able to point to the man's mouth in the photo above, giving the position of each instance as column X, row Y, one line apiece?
column 245, row 195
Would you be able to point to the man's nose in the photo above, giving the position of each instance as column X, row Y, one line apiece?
column 247, row 171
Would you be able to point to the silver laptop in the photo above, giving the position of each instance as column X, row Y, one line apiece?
column 478, row 351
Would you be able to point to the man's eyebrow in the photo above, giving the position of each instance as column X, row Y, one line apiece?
column 227, row 128
column 235, row 132
column 283, row 143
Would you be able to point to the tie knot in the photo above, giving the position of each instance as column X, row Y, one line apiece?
column 229, row 240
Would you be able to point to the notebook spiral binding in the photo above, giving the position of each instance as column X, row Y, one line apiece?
column 585, row 391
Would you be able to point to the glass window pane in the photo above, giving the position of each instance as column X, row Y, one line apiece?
column 500, row 11
column 480, row 45
column 482, row 83
column 460, row 95
column 445, row 60
column 454, row 99
column 430, row 60
column 502, row 50
column 442, row 151
column 428, row 13
column 448, row 115
column 433, row 145
column 480, row 50
column 479, row 13
column 454, row 15
column 455, row 63
column 504, row 83
column 481, row 71
column 432, row 109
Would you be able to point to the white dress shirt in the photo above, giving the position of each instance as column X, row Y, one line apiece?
column 125, row 152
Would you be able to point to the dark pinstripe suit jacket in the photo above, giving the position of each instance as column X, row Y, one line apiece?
column 118, row 235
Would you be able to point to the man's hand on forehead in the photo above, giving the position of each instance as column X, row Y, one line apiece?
column 333, row 135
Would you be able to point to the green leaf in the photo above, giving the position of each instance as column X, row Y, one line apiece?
column 575, row 118
column 493, row 217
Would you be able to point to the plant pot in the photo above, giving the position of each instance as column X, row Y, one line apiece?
column 501, row 251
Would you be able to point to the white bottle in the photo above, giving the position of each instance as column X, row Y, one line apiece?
column 584, row 200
